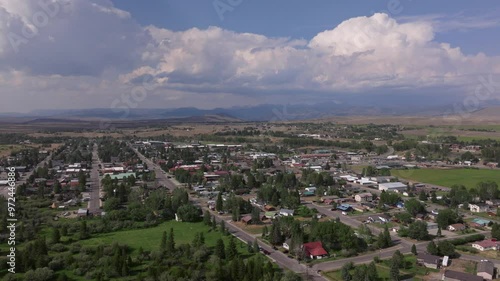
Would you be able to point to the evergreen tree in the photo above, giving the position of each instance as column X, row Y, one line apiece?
column 346, row 275
column 264, row 231
column 219, row 204
column 387, row 236
column 256, row 247
column 371, row 272
column 223, row 227
column 256, row 216
column 220, row 250
column 214, row 223
column 163, row 244
column 397, row 259
column 394, row 273
column 250, row 247
column 432, row 248
column 414, row 249
column 170, row 246
column 56, row 236
column 64, row 230
column 232, row 252
column 57, row 187
column 84, row 232
column 206, row 218
column 276, row 236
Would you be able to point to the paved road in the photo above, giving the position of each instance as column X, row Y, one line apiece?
column 94, row 205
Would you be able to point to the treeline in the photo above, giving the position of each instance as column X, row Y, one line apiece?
column 112, row 148
column 335, row 236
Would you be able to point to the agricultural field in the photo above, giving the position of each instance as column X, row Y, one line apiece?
column 461, row 134
column 449, row 177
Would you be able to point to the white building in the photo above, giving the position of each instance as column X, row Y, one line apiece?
column 286, row 212
column 393, row 186
column 479, row 208
column 363, row 197
column 311, row 189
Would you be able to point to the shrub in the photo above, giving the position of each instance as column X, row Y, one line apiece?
column 58, row 248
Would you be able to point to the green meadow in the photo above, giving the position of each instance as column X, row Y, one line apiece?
column 467, row 177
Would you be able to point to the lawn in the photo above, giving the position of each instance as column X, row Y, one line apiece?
column 442, row 177
column 149, row 238
column 383, row 270
column 383, row 274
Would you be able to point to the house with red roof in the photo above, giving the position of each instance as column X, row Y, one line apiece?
column 486, row 245
column 315, row 250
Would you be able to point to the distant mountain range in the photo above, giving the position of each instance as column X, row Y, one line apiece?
column 265, row 112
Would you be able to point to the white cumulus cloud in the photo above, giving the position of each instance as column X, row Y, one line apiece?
column 91, row 52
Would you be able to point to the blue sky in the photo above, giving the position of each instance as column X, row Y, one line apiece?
column 303, row 19
column 124, row 54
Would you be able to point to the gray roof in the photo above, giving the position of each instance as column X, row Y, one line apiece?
column 462, row 276
column 428, row 258
column 486, row 266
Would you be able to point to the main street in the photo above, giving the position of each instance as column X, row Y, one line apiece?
column 94, row 205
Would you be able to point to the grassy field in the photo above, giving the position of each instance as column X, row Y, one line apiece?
column 383, row 270
column 5, row 150
column 467, row 177
column 149, row 238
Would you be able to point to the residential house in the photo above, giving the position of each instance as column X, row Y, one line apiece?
column 432, row 225
column 369, row 206
column 344, row 207
column 286, row 212
column 331, row 199
column 246, row 219
column 451, row 275
column 359, row 208
column 486, row 269
column 315, row 250
column 363, row 197
column 479, row 208
column 486, row 245
column 420, row 217
column 384, row 218
column 383, row 179
column 428, row 260
column 493, row 202
column 269, row 208
column 82, row 212
column 456, row 227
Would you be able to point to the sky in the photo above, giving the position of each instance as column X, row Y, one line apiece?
column 74, row 54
